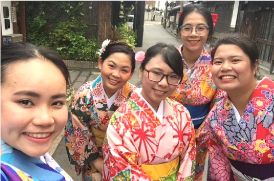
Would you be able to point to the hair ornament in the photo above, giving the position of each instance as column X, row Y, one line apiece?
column 140, row 56
column 103, row 48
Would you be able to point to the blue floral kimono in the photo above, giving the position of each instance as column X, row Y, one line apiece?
column 17, row 166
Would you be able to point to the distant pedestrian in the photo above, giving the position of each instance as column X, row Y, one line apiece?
column 93, row 105
column 151, row 137
column 241, row 124
column 197, row 91
column 34, row 84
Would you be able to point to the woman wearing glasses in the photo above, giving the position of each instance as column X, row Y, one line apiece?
column 151, row 137
column 197, row 90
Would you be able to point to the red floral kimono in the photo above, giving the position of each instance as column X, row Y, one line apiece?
column 138, row 138
column 242, row 146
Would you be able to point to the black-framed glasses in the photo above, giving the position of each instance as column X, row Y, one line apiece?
column 199, row 29
column 155, row 76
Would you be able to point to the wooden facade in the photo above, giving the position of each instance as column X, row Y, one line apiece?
column 224, row 10
column 255, row 19
column 98, row 19
column 258, row 23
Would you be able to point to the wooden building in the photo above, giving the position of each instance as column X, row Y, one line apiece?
column 101, row 17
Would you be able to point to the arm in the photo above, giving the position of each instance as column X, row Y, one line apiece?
column 80, row 144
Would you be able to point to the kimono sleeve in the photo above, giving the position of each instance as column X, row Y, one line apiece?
column 120, row 154
column 218, row 163
column 80, row 143
column 187, row 157
column 202, row 139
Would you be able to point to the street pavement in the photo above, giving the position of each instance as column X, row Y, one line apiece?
column 153, row 33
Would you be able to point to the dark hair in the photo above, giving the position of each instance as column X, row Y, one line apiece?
column 247, row 45
column 24, row 51
column 117, row 46
column 201, row 10
column 170, row 54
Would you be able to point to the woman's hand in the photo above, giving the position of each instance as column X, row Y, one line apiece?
column 96, row 176
column 98, row 164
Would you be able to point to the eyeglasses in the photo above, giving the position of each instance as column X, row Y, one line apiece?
column 172, row 79
column 199, row 29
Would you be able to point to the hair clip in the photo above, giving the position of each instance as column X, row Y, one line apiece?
column 103, row 48
column 140, row 56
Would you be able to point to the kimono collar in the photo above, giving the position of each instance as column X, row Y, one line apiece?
column 17, row 165
column 160, row 112
column 110, row 100
column 203, row 53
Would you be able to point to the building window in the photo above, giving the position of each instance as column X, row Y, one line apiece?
column 6, row 15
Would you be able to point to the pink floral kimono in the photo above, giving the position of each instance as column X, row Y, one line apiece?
column 145, row 145
column 85, row 131
column 242, row 147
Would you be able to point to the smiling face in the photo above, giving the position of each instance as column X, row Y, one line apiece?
column 232, row 70
column 33, row 105
column 155, row 92
column 115, row 71
column 194, row 41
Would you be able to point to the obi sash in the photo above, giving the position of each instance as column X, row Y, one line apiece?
column 258, row 171
column 198, row 113
column 162, row 171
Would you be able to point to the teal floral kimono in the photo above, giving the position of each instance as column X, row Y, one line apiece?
column 85, row 131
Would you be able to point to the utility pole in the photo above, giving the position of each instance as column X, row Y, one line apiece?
column 139, row 21
column 22, row 19
column 181, row 6
column 165, row 13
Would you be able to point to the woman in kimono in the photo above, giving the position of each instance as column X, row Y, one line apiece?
column 242, row 126
column 33, row 112
column 151, row 137
column 93, row 105
column 197, row 91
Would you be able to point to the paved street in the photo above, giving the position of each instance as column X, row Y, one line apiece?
column 153, row 33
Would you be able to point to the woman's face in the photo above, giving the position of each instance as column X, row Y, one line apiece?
column 194, row 32
column 232, row 69
column 115, row 71
column 33, row 105
column 155, row 92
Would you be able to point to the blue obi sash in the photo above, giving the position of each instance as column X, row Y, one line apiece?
column 198, row 113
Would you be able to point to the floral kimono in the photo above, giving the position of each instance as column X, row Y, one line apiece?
column 91, row 111
column 198, row 93
column 197, row 89
column 16, row 166
column 242, row 147
column 145, row 145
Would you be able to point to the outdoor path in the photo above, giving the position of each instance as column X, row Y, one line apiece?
column 153, row 33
